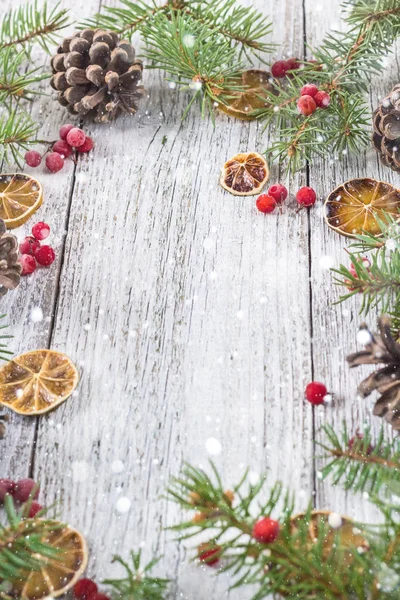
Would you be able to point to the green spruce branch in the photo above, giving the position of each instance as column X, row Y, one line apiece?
column 17, row 131
column 137, row 584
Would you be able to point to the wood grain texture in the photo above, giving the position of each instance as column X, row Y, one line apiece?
column 189, row 315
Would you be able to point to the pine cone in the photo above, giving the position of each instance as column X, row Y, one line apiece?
column 386, row 123
column 3, row 420
column 384, row 350
column 96, row 74
column 10, row 268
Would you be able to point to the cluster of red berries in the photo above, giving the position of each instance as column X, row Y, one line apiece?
column 277, row 194
column 71, row 138
column 86, row 589
column 265, row 531
column 22, row 491
column 312, row 98
column 33, row 253
column 282, row 67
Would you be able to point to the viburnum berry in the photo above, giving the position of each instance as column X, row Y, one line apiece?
column 306, row 105
column 76, row 137
column 265, row 203
column 62, row 148
column 209, row 554
column 64, row 130
column 24, row 488
column 34, row 509
column 40, row 231
column 293, row 64
column 7, row 486
column 85, row 588
column 278, row 192
column 322, row 99
column 359, row 436
column 315, row 392
column 54, row 162
column 280, row 68
column 28, row 264
column 309, row 90
column 29, row 245
column 33, row 158
column 266, row 530
column 364, row 261
column 87, row 145
column 45, row 256
column 306, row 196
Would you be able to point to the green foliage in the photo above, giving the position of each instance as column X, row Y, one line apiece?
column 4, row 353
column 21, row 546
column 343, row 67
column 137, row 584
column 377, row 283
column 16, row 132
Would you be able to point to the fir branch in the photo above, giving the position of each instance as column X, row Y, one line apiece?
column 137, row 584
column 28, row 24
column 22, row 548
column 16, row 132
column 15, row 81
column 359, row 463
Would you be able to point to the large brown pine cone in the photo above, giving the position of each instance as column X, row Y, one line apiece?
column 96, row 75
column 386, row 122
column 10, row 268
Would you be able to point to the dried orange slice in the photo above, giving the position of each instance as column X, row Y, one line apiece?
column 244, row 174
column 353, row 207
column 20, row 196
column 36, row 382
column 57, row 575
column 244, row 103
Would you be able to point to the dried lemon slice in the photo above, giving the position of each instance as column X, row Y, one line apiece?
column 20, row 196
column 353, row 207
column 57, row 575
column 36, row 382
column 245, row 174
column 244, row 103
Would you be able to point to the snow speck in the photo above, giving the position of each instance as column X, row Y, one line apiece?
column 254, row 477
column 80, row 471
column 326, row 262
column 19, row 392
column 335, row 520
column 328, row 398
column 117, row 466
column 213, row 446
column 189, row 40
column 86, row 327
column 36, row 314
column 213, row 275
column 208, row 243
column 123, row 505
column 364, row 337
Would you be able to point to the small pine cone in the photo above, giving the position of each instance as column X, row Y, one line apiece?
column 386, row 124
column 96, row 75
column 3, row 420
column 10, row 268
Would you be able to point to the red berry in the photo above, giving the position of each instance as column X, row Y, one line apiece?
column 265, row 203
column 306, row 196
column 209, row 554
column 316, row 392
column 306, row 105
column 309, row 90
column 34, row 509
column 278, row 192
column 293, row 63
column 98, row 596
column 322, row 99
column 41, row 231
column 76, row 137
column 364, row 261
column 359, row 436
column 6, row 487
column 54, row 162
column 24, row 488
column 87, row 145
column 28, row 264
column 29, row 245
column 266, row 530
column 33, row 158
column 45, row 256
column 62, row 148
column 280, row 68
column 85, row 588
column 65, row 129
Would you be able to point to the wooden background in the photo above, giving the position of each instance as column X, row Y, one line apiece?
column 190, row 316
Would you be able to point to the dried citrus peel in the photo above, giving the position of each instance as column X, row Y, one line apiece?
column 20, row 196
column 245, row 174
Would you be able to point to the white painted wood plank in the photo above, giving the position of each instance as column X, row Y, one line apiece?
column 335, row 327
column 188, row 313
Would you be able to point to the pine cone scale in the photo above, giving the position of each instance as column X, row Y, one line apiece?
column 386, row 126
column 96, row 74
column 10, row 268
